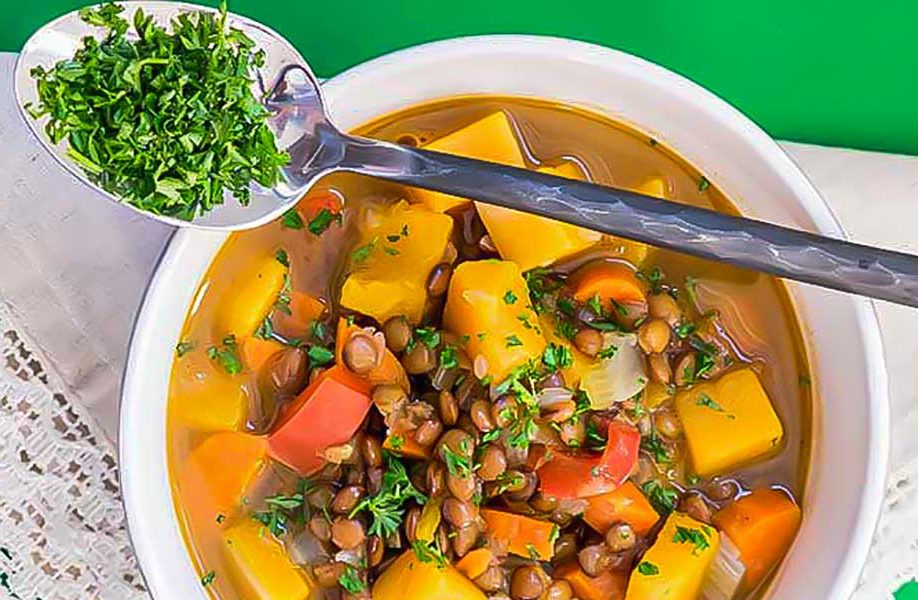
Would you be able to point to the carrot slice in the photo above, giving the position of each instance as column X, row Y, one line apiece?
column 256, row 351
column 762, row 526
column 521, row 535
column 627, row 504
column 389, row 371
column 610, row 281
column 610, row 585
column 475, row 562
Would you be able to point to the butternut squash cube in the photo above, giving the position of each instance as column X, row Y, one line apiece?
column 260, row 566
column 250, row 298
column 205, row 397
column 728, row 422
column 217, row 474
column 389, row 268
column 488, row 301
column 532, row 241
column 491, row 138
column 674, row 568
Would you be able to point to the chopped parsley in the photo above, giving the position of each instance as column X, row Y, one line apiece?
column 565, row 305
column 510, row 297
column 619, row 308
column 654, row 279
column 708, row 402
column 557, row 357
column 164, row 119
column 648, row 568
column 513, row 341
column 533, row 553
column 363, row 252
column 594, row 438
column 555, row 534
column 318, row 330
column 604, row 326
column 350, row 580
column 607, row 352
column 227, row 355
column 596, row 305
column 690, row 535
column 429, row 552
column 292, row 219
column 183, row 348
column 540, row 285
column 457, row 464
column 282, row 257
column 323, row 219
column 654, row 446
column 662, row 497
column 208, row 578
column 683, row 330
column 387, row 506
column 280, row 509
column 428, row 336
column 703, row 183
column 566, row 329
column 449, row 358
column 320, row 355
column 397, row 442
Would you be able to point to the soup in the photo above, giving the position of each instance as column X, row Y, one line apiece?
column 398, row 393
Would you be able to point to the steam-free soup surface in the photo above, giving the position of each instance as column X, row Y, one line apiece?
column 400, row 393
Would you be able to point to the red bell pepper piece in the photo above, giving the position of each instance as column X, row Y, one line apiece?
column 584, row 475
column 327, row 413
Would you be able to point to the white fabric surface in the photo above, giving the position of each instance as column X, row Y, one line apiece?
column 73, row 271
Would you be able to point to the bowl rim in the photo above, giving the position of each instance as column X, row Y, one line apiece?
column 808, row 199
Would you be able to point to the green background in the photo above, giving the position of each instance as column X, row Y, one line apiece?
column 841, row 73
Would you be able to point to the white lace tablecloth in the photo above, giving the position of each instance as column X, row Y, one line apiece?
column 73, row 271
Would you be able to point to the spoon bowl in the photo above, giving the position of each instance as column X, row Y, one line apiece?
column 59, row 40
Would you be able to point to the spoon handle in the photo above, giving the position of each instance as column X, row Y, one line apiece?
column 743, row 242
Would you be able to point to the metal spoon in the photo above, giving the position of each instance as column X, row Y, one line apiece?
column 318, row 148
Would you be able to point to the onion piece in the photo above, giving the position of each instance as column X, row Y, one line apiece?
column 617, row 378
column 725, row 573
column 305, row 549
column 553, row 396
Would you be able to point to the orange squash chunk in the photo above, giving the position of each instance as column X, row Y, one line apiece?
column 521, row 535
column 217, row 473
column 627, row 504
column 261, row 567
column 609, row 585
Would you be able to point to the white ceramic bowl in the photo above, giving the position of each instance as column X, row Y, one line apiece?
column 845, row 485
